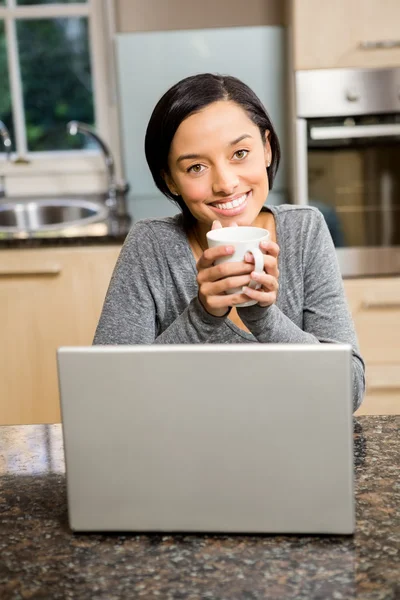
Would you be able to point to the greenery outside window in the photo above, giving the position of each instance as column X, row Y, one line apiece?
column 53, row 69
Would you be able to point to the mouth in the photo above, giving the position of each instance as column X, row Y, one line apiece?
column 231, row 207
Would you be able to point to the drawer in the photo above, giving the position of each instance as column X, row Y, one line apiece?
column 379, row 336
column 382, row 390
column 375, row 307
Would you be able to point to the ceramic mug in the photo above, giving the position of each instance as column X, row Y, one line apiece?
column 243, row 239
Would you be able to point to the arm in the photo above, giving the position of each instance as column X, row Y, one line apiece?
column 137, row 297
column 326, row 317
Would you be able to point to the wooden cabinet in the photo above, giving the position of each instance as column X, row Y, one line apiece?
column 329, row 34
column 48, row 298
column 53, row 297
column 375, row 306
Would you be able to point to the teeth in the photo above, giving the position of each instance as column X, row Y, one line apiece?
column 229, row 205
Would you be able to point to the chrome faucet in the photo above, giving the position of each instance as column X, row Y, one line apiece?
column 6, row 139
column 74, row 127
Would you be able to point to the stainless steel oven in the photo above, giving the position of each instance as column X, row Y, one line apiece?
column 348, row 162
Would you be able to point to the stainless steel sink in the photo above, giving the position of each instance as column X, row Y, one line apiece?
column 49, row 214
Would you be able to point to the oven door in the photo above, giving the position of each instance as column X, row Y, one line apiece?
column 350, row 170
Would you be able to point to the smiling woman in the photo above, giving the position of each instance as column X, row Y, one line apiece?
column 212, row 150
column 186, row 139
column 226, row 177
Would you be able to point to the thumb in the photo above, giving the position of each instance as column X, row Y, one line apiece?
column 234, row 225
column 216, row 225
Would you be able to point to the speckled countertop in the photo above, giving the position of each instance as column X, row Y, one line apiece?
column 40, row 558
column 109, row 232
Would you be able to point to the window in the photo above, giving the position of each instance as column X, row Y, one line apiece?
column 53, row 69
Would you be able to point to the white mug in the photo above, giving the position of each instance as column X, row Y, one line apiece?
column 243, row 239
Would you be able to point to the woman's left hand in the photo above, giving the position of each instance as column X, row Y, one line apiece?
column 267, row 294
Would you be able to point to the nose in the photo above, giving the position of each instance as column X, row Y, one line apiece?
column 225, row 180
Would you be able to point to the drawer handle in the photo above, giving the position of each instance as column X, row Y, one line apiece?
column 382, row 385
column 52, row 271
column 376, row 304
column 379, row 44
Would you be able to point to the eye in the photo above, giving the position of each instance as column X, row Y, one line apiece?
column 195, row 169
column 241, row 154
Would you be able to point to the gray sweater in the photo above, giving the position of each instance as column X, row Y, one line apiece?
column 152, row 297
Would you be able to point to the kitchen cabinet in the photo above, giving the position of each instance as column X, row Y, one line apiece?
column 328, row 34
column 375, row 307
column 48, row 298
column 53, row 297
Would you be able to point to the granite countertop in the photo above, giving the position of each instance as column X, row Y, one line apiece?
column 41, row 558
column 111, row 231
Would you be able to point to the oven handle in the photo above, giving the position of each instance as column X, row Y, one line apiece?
column 341, row 132
column 301, row 187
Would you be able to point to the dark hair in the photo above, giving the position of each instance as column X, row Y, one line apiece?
column 189, row 96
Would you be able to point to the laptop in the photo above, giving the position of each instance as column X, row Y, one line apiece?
column 241, row 438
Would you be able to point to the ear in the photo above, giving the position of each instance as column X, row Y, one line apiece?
column 170, row 183
column 267, row 149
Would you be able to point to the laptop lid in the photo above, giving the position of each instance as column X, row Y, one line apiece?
column 253, row 438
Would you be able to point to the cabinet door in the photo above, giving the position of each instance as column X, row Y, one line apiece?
column 375, row 307
column 382, row 390
column 48, row 298
column 330, row 34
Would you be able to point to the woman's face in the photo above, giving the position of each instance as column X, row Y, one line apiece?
column 218, row 163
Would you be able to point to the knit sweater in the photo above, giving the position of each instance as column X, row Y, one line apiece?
column 153, row 294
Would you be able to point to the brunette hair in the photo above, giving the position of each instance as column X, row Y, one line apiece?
column 189, row 96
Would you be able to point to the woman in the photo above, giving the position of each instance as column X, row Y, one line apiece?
column 212, row 149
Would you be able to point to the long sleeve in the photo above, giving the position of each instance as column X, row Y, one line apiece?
column 139, row 293
column 326, row 316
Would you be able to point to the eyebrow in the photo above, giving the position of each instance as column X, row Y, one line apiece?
column 233, row 143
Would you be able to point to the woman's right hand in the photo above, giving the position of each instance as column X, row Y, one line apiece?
column 213, row 280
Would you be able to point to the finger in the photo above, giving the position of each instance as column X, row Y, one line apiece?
column 224, row 270
column 216, row 225
column 268, row 282
column 210, row 255
column 260, row 296
column 233, row 225
column 270, row 263
column 227, row 300
column 270, row 248
column 235, row 299
column 215, row 288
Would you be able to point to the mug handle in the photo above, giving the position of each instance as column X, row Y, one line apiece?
column 258, row 266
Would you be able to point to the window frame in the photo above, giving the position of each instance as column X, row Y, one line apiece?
column 71, row 171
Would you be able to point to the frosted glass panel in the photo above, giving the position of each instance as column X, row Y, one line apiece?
column 149, row 63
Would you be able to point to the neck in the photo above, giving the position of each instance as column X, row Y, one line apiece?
column 199, row 231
